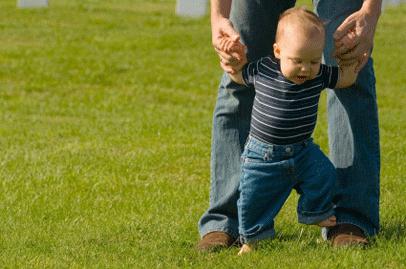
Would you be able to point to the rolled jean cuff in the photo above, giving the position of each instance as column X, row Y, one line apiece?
column 314, row 218
column 370, row 233
column 261, row 236
column 367, row 228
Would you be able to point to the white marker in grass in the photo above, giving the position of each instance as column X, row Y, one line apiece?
column 32, row 3
column 392, row 3
column 191, row 8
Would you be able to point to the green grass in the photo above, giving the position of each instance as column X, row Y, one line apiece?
column 105, row 123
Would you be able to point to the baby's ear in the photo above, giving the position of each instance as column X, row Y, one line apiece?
column 276, row 51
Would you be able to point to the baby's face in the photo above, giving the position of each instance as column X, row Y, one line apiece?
column 299, row 57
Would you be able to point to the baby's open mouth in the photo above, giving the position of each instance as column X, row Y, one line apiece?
column 302, row 77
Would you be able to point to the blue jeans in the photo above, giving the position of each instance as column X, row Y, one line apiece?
column 269, row 173
column 353, row 132
column 353, row 125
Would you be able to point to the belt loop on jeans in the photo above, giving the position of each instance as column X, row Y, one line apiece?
column 266, row 156
column 268, row 153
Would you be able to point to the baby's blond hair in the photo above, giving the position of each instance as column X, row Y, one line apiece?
column 307, row 23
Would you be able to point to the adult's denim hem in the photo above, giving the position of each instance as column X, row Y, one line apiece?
column 314, row 218
column 211, row 230
column 367, row 232
column 261, row 236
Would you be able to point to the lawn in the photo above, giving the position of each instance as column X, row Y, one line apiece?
column 105, row 124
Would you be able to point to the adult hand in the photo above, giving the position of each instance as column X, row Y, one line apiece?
column 354, row 38
column 230, row 60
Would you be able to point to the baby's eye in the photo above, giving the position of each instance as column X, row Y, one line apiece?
column 315, row 62
column 297, row 61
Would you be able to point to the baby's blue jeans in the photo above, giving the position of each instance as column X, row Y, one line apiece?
column 268, row 175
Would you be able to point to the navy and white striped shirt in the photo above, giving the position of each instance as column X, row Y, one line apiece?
column 284, row 112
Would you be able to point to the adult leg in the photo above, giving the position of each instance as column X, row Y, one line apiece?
column 230, row 129
column 256, row 21
column 353, row 135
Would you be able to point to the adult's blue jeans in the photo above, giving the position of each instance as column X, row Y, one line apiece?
column 353, row 132
column 353, row 124
column 269, row 173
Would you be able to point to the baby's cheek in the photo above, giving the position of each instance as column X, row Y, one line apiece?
column 316, row 70
column 289, row 71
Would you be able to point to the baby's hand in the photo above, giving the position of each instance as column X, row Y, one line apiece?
column 232, row 55
column 232, row 47
column 343, row 48
column 228, row 45
column 347, row 40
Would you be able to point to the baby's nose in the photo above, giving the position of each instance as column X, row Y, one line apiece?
column 305, row 67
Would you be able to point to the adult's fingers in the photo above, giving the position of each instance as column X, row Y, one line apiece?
column 224, row 28
column 341, row 50
column 351, row 54
column 229, row 45
column 227, row 29
column 226, row 57
column 347, row 62
column 347, row 25
column 362, row 62
column 357, row 52
column 232, row 62
column 221, row 45
column 350, row 40
column 225, row 45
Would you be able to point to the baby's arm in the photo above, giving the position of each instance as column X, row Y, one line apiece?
column 230, row 46
column 237, row 76
column 347, row 75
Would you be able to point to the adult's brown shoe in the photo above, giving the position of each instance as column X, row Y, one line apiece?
column 215, row 241
column 346, row 235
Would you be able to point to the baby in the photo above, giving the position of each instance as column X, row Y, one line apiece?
column 279, row 154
